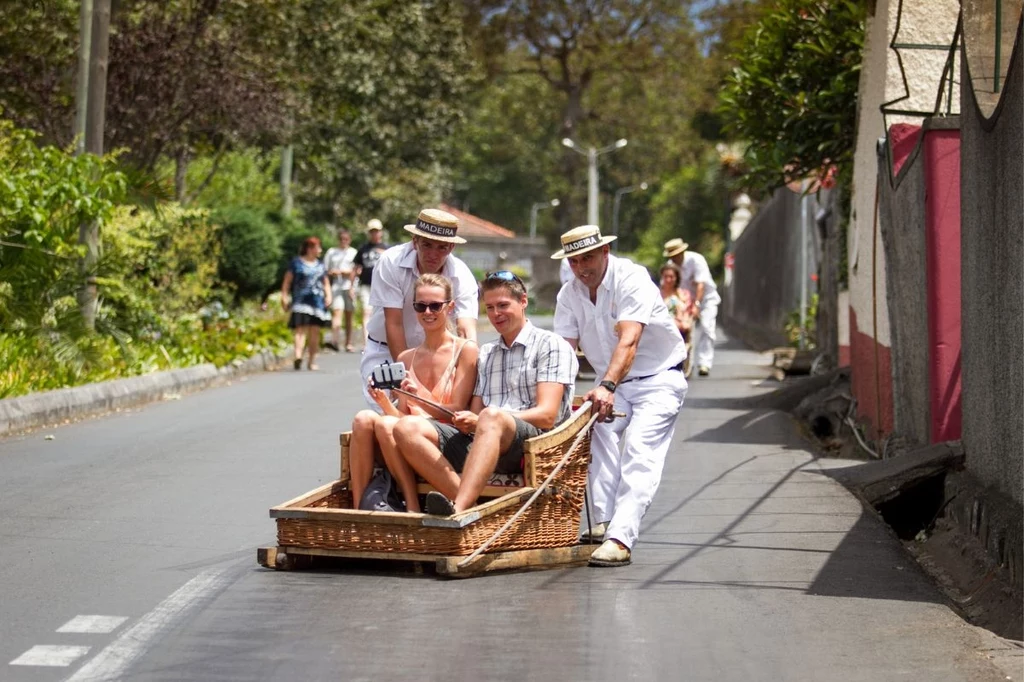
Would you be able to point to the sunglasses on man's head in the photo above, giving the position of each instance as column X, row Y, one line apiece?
column 504, row 276
column 434, row 307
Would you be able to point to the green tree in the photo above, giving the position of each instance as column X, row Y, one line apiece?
column 793, row 95
column 251, row 251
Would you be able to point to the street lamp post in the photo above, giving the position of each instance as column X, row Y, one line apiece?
column 592, row 153
column 618, row 198
column 533, row 214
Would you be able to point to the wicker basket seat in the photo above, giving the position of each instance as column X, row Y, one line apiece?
column 324, row 518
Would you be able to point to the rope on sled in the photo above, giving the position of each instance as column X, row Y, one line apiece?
column 547, row 481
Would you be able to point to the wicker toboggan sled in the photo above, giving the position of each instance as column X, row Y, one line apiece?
column 323, row 522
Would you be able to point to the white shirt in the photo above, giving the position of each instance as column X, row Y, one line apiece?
column 696, row 271
column 338, row 258
column 626, row 293
column 393, row 278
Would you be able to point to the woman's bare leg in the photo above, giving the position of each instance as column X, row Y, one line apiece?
column 314, row 345
column 399, row 468
column 360, row 452
column 300, row 342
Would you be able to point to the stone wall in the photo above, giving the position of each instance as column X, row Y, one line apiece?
column 992, row 243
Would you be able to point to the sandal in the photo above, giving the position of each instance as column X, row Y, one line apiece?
column 313, row 368
column 350, row 348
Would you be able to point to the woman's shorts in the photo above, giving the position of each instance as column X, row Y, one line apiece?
column 454, row 445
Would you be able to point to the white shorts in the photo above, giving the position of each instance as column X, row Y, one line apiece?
column 364, row 296
column 343, row 300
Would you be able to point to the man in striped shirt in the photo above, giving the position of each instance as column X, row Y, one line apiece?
column 524, row 386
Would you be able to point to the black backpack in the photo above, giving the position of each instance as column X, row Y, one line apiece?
column 381, row 494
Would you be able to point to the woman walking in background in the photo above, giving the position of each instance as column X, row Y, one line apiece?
column 677, row 299
column 306, row 292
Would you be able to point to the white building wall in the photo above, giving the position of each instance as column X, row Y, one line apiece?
column 922, row 22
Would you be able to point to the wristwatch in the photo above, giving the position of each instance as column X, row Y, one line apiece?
column 608, row 385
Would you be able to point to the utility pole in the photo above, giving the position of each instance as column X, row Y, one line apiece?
column 82, row 93
column 287, row 158
column 592, row 189
column 89, row 233
column 533, row 214
column 615, row 206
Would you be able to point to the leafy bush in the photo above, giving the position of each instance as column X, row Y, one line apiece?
column 251, row 251
column 792, row 326
column 28, row 363
column 793, row 94
column 159, row 264
column 45, row 194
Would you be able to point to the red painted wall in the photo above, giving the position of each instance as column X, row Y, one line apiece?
column 942, row 243
column 871, row 377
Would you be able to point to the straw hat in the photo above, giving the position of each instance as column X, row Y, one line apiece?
column 580, row 240
column 438, row 225
column 674, row 247
column 374, row 224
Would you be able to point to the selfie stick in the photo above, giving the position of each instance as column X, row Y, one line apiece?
column 437, row 407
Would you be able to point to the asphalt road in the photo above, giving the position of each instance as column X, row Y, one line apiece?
column 130, row 554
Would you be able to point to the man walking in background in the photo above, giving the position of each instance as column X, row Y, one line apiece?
column 366, row 259
column 340, row 263
column 614, row 312
column 704, row 294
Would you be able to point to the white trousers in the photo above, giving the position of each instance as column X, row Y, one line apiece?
column 628, row 453
column 374, row 354
column 705, row 351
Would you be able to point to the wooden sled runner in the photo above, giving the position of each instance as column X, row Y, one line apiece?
column 532, row 522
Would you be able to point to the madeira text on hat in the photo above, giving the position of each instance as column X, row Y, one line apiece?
column 374, row 224
column 674, row 247
column 580, row 240
column 438, row 225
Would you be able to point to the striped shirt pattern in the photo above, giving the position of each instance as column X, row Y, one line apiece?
column 507, row 377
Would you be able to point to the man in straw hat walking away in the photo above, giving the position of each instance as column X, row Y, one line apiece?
column 615, row 314
column 392, row 327
column 698, row 281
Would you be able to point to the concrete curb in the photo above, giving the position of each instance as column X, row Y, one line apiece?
column 53, row 407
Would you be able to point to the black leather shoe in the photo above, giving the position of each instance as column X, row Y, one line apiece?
column 437, row 504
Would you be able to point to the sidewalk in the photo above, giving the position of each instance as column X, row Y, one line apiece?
column 754, row 544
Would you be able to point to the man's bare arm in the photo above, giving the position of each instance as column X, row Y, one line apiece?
column 394, row 328
column 466, row 327
column 544, row 415
column 625, row 351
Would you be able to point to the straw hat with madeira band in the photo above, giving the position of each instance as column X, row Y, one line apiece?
column 438, row 225
column 580, row 240
column 674, row 247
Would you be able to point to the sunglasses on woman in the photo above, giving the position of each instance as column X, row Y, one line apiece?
column 434, row 307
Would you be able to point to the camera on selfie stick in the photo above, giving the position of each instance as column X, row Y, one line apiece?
column 388, row 375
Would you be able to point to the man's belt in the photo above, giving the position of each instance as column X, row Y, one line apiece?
column 675, row 368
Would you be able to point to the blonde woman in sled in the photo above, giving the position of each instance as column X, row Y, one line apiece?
column 442, row 370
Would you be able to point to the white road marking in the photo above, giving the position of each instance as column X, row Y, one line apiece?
column 51, row 655
column 93, row 625
column 114, row 660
